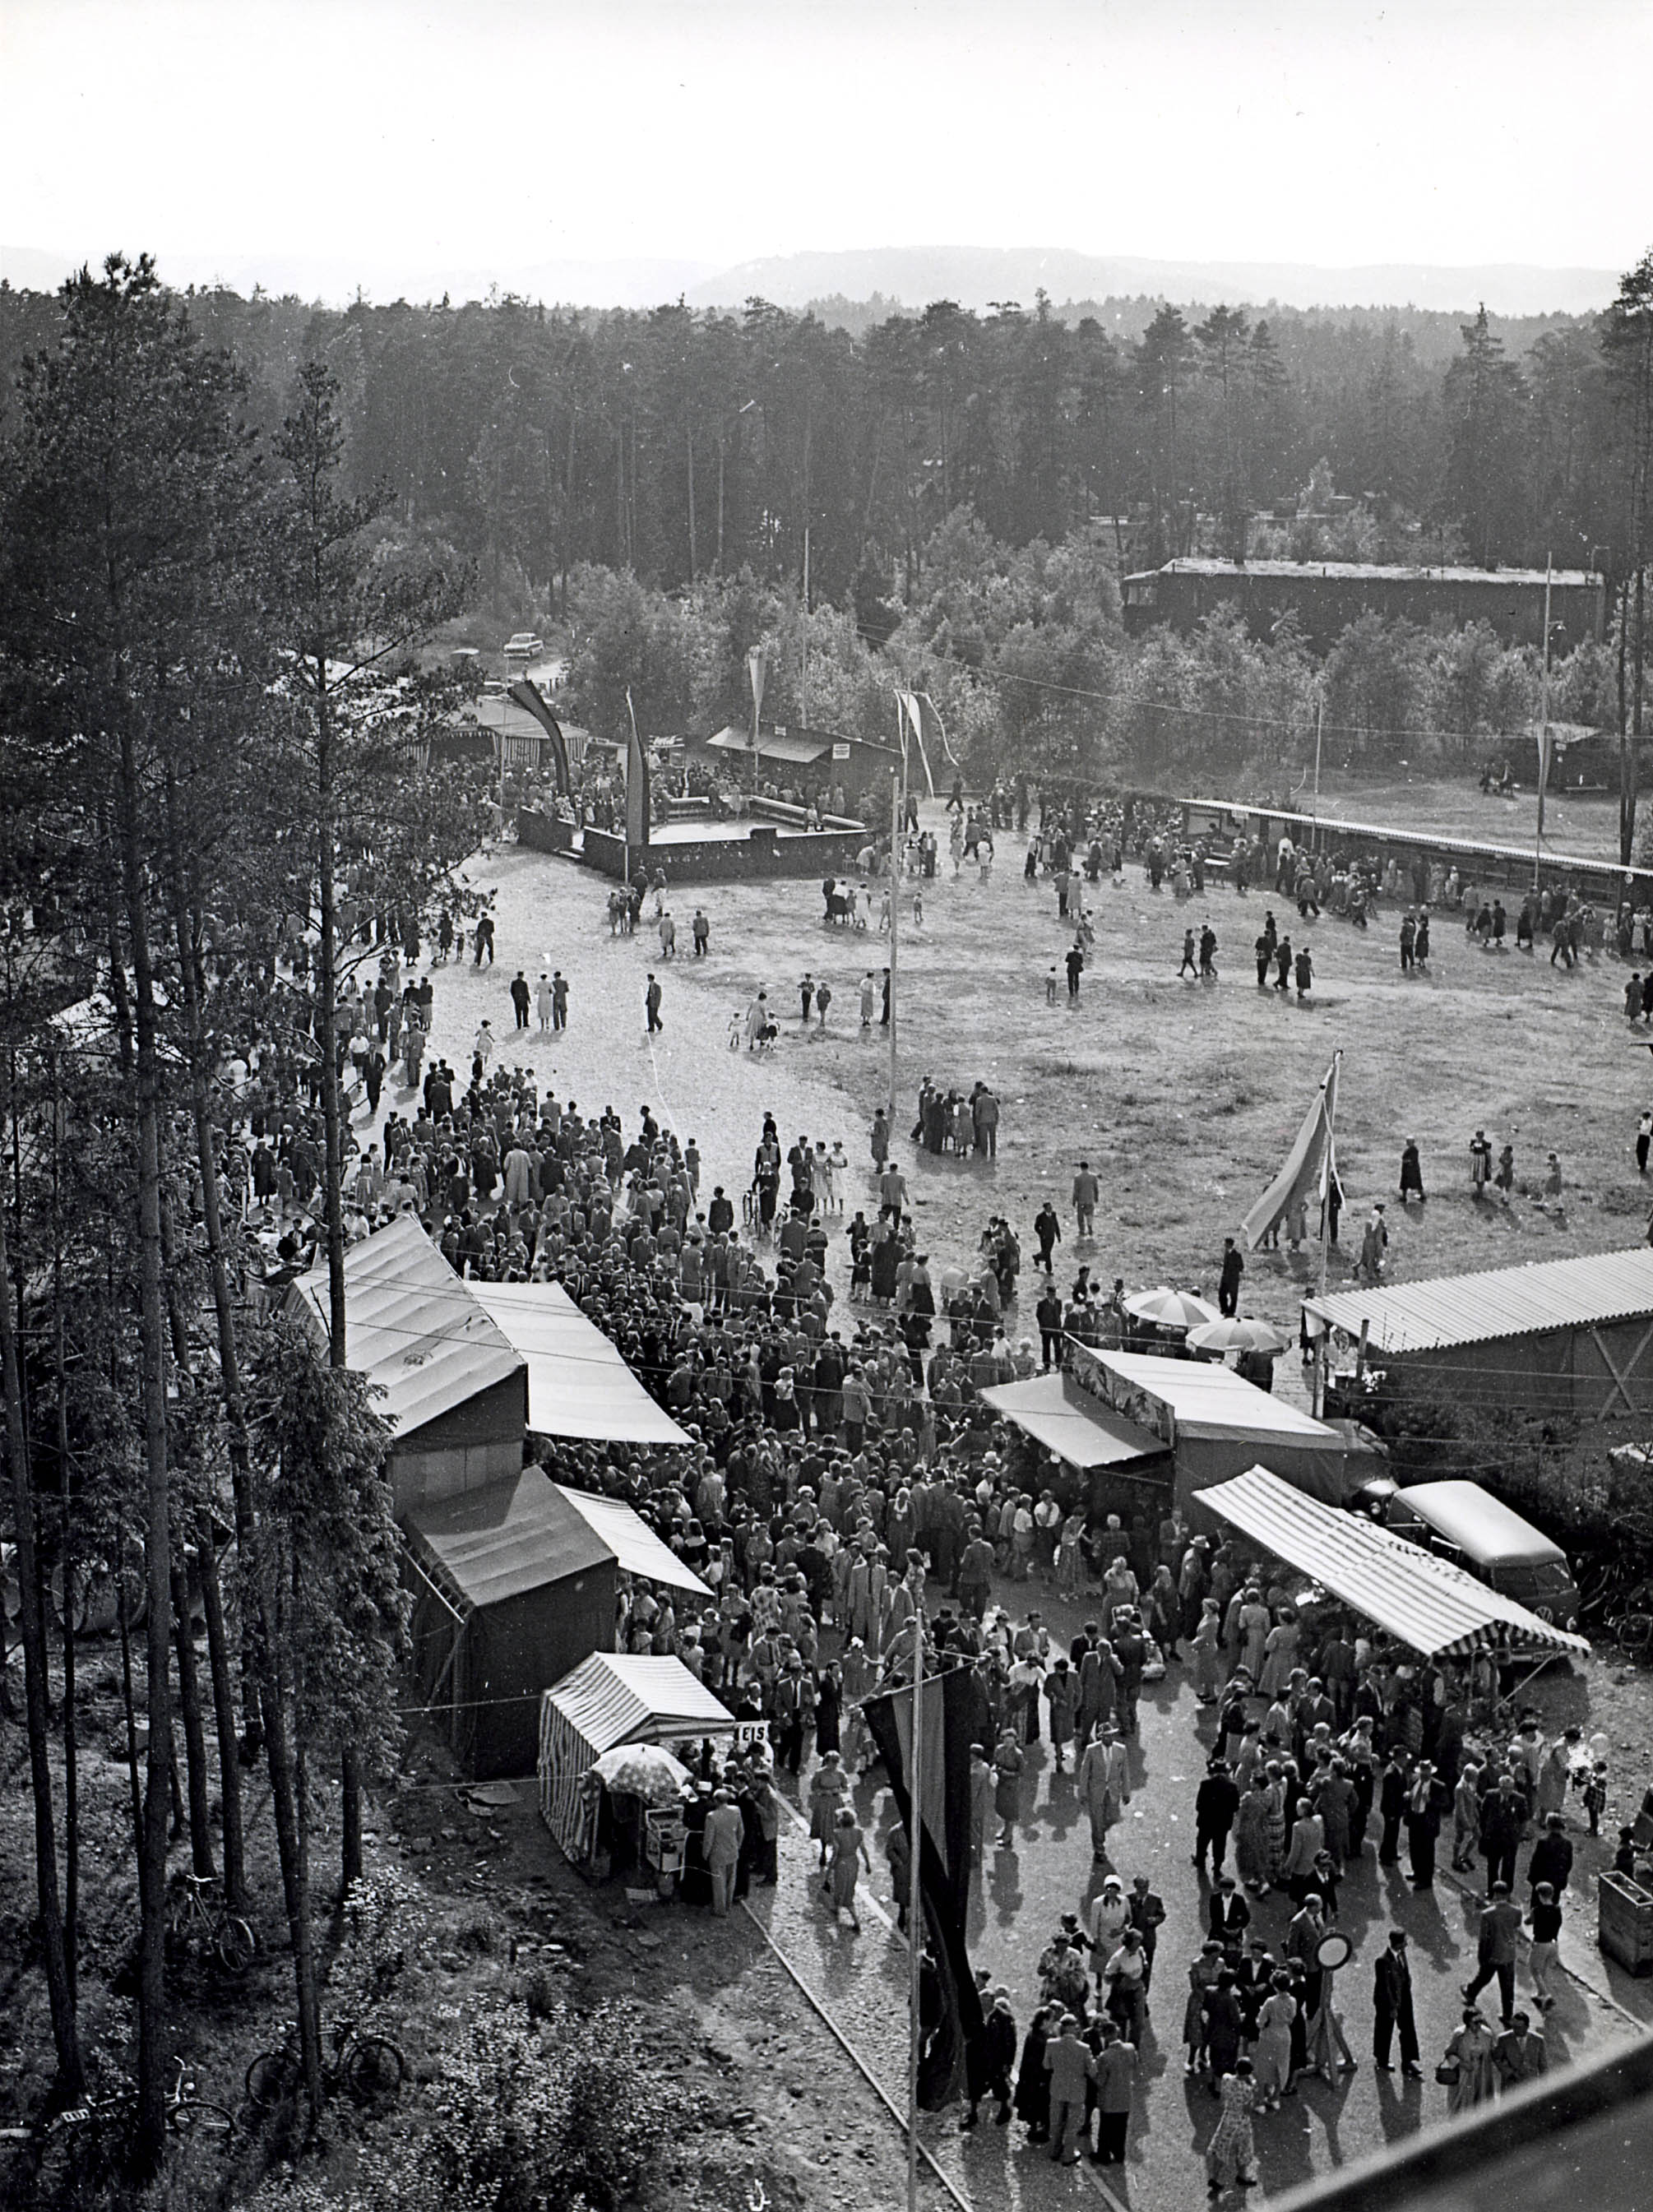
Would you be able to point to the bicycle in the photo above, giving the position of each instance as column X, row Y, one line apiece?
column 191, row 1917
column 370, row 2067
column 114, row 2111
column 1633, row 1631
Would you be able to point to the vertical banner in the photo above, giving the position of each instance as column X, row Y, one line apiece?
column 636, row 782
column 756, row 670
column 944, row 1858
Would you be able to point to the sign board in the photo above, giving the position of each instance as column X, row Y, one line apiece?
column 751, row 1732
column 841, row 748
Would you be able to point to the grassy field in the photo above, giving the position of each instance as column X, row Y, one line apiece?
column 1183, row 1096
column 1585, row 827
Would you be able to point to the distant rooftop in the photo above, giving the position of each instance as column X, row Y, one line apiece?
column 1370, row 572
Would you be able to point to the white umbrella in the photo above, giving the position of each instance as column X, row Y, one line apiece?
column 1239, row 1335
column 1170, row 1308
column 642, row 1770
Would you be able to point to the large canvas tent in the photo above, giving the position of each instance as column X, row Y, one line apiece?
column 1079, row 1429
column 513, row 1589
column 637, row 1550
column 577, row 1384
column 448, row 1382
column 1417, row 1599
column 613, row 1697
column 1216, row 1423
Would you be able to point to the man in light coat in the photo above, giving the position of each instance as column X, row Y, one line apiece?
column 725, row 1834
column 1105, row 1785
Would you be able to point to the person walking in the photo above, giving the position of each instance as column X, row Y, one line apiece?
column 1216, row 1802
column 1392, row 2008
column 720, row 1842
column 1067, row 2061
column 1228, row 1287
column 559, row 999
column 521, row 998
column 1503, row 1818
column 1008, row 1762
column 651, row 1005
column 1114, row 2071
column 1495, row 1948
column 1086, row 1191
column 1232, row 2154
column 1544, row 1918
column 1519, row 2054
column 1104, row 1786
column 542, row 1002
column 850, row 1855
column 1465, row 2067
column 1412, row 1173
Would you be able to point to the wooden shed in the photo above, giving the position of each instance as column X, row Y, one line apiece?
column 1567, row 1337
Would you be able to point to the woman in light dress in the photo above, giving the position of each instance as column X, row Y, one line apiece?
column 1273, row 2053
column 850, row 1854
column 1471, row 2045
column 1231, row 2154
column 1279, row 1654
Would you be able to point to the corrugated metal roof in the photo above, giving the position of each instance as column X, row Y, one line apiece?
column 632, row 1541
column 616, row 1697
column 499, row 1543
column 1206, row 1398
column 1421, row 1600
column 411, row 1327
column 1545, row 1295
column 1085, row 1435
column 578, row 1383
column 797, row 750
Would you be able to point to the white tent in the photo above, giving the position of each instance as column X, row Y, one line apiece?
column 613, row 1697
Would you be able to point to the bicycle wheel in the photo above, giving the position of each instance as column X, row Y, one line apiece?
column 1634, row 1631
column 271, row 2079
column 236, row 1944
column 373, row 2067
column 197, row 2117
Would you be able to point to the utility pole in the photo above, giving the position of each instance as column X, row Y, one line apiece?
column 803, row 685
column 897, row 808
column 1320, row 723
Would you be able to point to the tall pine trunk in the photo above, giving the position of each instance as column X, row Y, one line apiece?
column 37, row 1702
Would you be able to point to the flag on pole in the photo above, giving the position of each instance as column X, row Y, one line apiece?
column 528, row 697
column 944, row 1859
column 637, row 781
column 911, row 716
column 935, row 729
column 1308, row 1166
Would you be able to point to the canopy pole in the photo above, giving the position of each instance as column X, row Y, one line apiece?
column 1329, row 1091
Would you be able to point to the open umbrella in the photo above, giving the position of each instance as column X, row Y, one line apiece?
column 642, row 1770
column 1169, row 1309
column 1241, row 1335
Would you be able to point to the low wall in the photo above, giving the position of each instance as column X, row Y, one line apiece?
column 544, row 833
column 761, row 853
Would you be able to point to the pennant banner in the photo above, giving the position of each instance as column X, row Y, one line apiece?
column 953, row 2018
column 935, row 728
column 1307, row 1166
column 527, row 697
column 636, row 782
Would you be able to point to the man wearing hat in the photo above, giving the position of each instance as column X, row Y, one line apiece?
column 1392, row 2003
column 1216, row 1802
column 724, row 1834
column 990, row 2059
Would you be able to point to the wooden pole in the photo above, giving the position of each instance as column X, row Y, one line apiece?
column 1543, row 732
column 897, row 808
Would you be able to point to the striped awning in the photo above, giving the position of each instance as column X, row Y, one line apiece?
column 1420, row 1600
column 612, row 1698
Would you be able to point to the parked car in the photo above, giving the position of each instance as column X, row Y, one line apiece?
column 523, row 645
column 1467, row 1524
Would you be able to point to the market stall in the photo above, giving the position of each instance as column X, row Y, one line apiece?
column 611, row 1701
column 1419, row 1600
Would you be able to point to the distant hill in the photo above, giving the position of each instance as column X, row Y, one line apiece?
column 974, row 275
column 856, row 288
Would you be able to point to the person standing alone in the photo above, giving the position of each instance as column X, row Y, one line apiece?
column 1228, row 1288
column 1392, row 2008
column 651, row 1005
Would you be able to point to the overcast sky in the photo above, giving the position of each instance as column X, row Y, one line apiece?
column 390, row 145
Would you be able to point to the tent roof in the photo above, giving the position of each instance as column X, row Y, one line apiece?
column 1417, row 1599
column 499, row 1543
column 578, row 1383
column 413, row 1327
column 1208, row 1399
column 633, row 1542
column 798, row 747
column 1086, row 1434
column 1497, row 1302
column 617, row 1697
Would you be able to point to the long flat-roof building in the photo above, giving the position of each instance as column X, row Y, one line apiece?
column 1326, row 596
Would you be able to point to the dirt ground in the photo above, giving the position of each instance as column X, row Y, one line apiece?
column 1185, row 1097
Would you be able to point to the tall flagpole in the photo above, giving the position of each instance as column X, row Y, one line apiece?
column 1543, row 736
column 915, row 1920
column 897, row 812
column 1328, row 1168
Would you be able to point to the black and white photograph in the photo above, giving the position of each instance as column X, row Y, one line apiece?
column 826, row 1083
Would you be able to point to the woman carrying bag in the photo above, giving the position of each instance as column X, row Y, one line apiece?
column 1465, row 2071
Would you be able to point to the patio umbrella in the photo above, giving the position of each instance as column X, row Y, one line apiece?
column 1242, row 1335
column 1169, row 1309
column 642, row 1770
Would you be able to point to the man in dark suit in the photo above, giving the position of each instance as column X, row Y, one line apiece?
column 1229, row 1914
column 1392, row 2001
